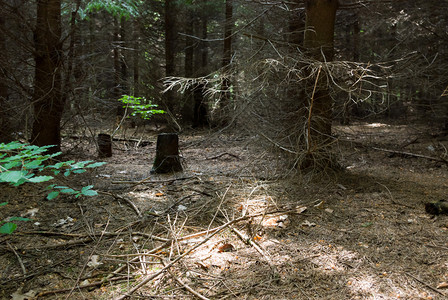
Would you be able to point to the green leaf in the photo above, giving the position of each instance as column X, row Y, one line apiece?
column 87, row 191
column 90, row 193
column 78, row 171
column 367, row 224
column 97, row 164
column 18, row 219
column 40, row 179
column 3, row 203
column 52, row 195
column 8, row 228
column 68, row 191
column 33, row 164
column 12, row 176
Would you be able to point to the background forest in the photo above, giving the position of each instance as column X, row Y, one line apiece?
column 312, row 135
column 225, row 63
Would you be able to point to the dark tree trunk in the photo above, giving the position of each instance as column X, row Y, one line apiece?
column 5, row 130
column 167, row 154
column 136, row 75
column 200, row 114
column 120, row 68
column 187, row 109
column 319, row 41
column 104, row 145
column 170, row 48
column 226, row 61
column 47, row 100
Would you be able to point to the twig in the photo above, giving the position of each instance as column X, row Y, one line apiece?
column 439, row 159
column 222, row 154
column 248, row 241
column 131, row 204
column 149, row 181
column 186, row 286
column 18, row 258
column 93, row 284
column 425, row 284
column 146, row 280
column 278, row 145
column 88, row 259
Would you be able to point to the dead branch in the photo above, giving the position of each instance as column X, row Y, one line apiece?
column 248, row 241
column 186, row 286
column 89, row 285
column 131, row 204
column 222, row 154
column 425, row 284
column 149, row 181
column 19, row 259
column 211, row 232
column 439, row 159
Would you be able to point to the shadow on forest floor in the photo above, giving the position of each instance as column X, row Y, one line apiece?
column 230, row 227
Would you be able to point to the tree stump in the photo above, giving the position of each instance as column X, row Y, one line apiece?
column 104, row 145
column 167, row 154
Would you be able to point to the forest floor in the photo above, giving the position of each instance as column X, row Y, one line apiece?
column 234, row 225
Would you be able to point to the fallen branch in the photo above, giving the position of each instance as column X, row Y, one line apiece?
column 131, row 204
column 89, row 285
column 439, row 159
column 425, row 284
column 248, row 241
column 146, row 280
column 222, row 154
column 211, row 232
column 18, row 258
column 149, row 181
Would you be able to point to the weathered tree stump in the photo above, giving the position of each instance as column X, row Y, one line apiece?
column 167, row 154
column 104, row 145
column 437, row 208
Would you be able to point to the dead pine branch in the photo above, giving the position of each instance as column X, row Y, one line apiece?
column 425, row 284
column 438, row 159
column 19, row 259
column 129, row 202
column 222, row 154
column 156, row 274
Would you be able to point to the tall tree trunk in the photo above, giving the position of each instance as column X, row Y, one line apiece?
column 200, row 113
column 136, row 75
column 118, row 91
column 319, row 41
column 170, row 48
column 187, row 108
column 5, row 130
column 47, row 100
column 226, row 61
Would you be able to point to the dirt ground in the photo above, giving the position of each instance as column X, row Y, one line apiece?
column 236, row 224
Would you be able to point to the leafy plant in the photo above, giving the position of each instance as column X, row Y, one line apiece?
column 140, row 106
column 7, row 227
column 20, row 163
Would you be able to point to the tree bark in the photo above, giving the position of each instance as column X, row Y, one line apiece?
column 319, row 42
column 5, row 130
column 167, row 154
column 226, row 61
column 200, row 113
column 187, row 108
column 170, row 48
column 47, row 100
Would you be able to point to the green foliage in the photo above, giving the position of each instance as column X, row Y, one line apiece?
column 19, row 164
column 140, row 106
column 8, row 227
column 117, row 8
